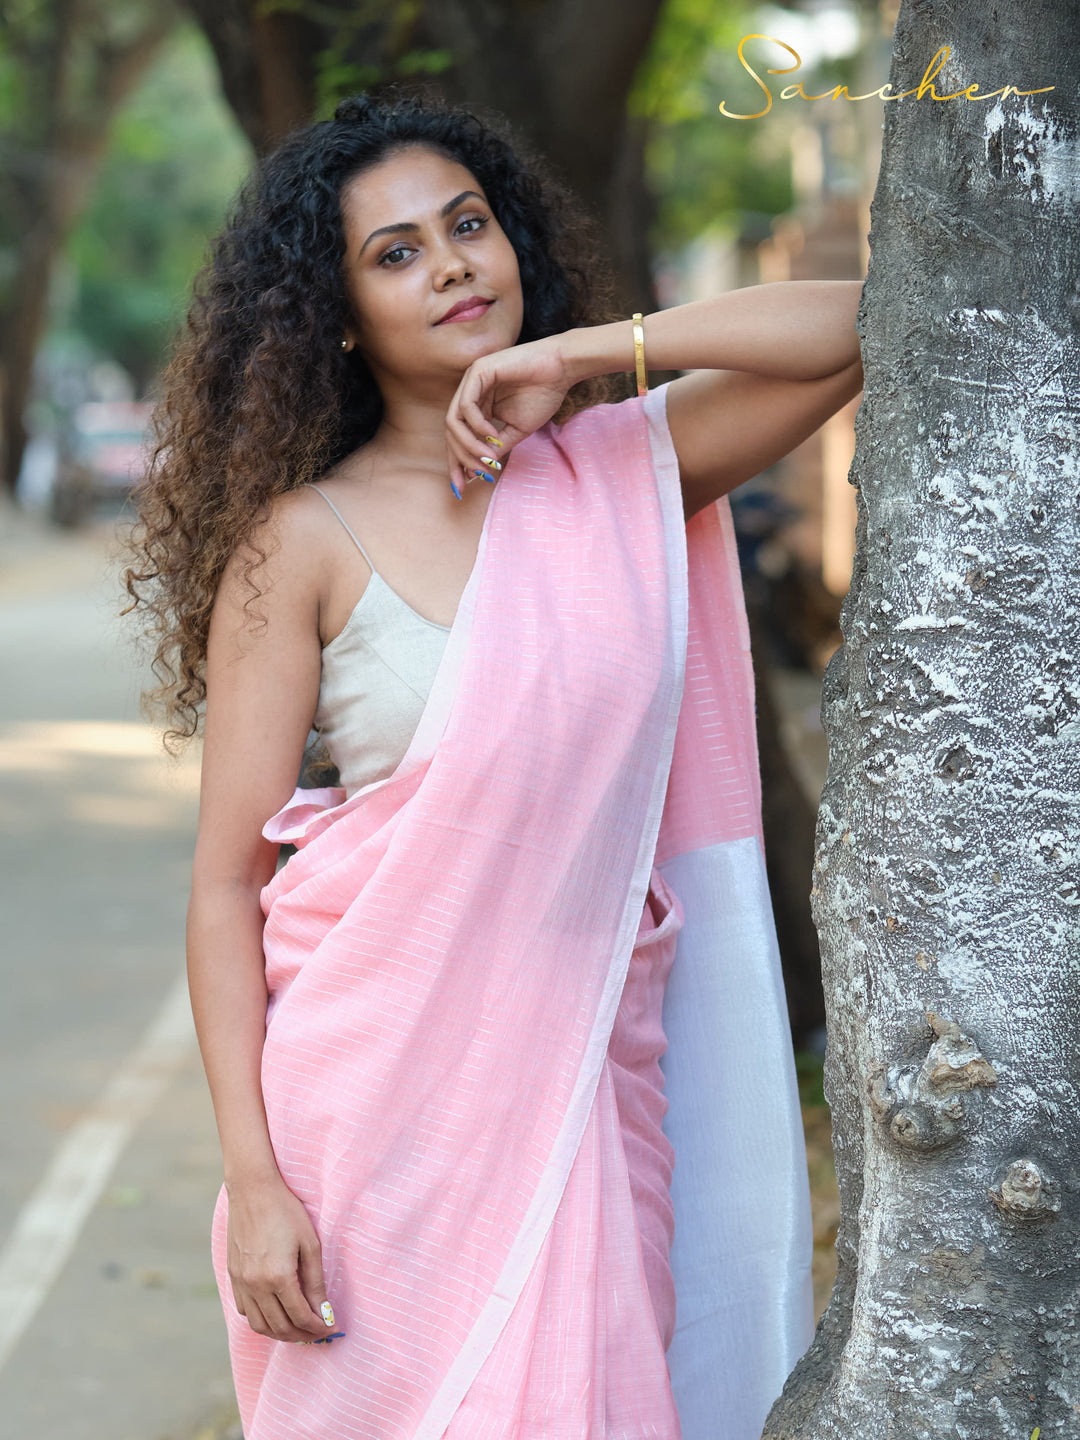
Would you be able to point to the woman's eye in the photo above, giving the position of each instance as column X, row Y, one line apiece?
column 469, row 219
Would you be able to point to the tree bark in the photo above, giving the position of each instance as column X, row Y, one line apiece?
column 947, row 876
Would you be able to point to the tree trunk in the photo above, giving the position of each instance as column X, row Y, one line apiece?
column 267, row 59
column 947, row 877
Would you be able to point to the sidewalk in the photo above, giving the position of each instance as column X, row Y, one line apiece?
column 110, row 1323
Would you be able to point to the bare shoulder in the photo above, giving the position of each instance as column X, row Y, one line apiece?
column 274, row 576
column 263, row 666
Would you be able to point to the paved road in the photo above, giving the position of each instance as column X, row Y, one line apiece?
column 110, row 1323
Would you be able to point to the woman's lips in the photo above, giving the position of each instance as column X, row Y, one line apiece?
column 472, row 314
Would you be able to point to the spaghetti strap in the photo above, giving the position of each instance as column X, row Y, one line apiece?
column 344, row 522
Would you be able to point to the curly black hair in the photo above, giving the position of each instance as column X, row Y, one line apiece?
column 259, row 398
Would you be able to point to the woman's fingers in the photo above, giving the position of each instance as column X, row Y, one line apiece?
column 464, row 467
column 472, row 437
column 279, row 1316
column 273, row 1246
column 254, row 1316
column 299, row 1313
column 471, row 451
column 281, row 1326
column 313, row 1283
column 477, row 423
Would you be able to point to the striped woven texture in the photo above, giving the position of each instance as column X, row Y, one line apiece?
column 467, row 962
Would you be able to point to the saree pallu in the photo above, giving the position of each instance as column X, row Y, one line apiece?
column 452, row 957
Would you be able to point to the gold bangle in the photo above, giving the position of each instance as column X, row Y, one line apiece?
column 639, row 353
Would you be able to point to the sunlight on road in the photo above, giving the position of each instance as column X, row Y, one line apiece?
column 96, row 774
column 31, row 745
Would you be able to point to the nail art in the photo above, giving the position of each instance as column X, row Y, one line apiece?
column 338, row 1335
column 487, row 460
column 454, row 488
column 326, row 1310
column 491, row 440
column 485, row 474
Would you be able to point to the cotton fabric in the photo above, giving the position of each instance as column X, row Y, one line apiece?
column 449, row 953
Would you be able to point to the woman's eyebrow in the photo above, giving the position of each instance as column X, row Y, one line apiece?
column 412, row 225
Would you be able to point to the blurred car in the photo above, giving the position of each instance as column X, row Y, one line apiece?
column 103, row 456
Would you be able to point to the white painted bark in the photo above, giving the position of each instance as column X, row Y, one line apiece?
column 947, row 872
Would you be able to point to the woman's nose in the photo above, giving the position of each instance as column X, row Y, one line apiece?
column 450, row 260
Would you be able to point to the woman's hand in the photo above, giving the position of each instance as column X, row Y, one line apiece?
column 505, row 395
column 275, row 1263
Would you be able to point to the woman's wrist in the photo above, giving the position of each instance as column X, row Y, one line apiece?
column 591, row 350
column 251, row 1174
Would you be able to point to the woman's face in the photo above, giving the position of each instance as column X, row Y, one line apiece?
column 438, row 246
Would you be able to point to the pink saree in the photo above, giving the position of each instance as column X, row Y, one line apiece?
column 532, row 1227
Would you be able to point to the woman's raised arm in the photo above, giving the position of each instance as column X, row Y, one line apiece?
column 772, row 362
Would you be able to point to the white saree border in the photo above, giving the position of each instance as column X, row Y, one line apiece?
column 743, row 1241
column 541, row 1213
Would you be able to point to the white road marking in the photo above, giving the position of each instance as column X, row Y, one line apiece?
column 49, row 1223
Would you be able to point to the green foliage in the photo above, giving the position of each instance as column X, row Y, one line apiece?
column 672, row 81
column 175, row 159
column 705, row 169
column 706, row 175
column 338, row 71
column 336, row 76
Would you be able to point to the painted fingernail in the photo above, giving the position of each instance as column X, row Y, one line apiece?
column 487, row 460
column 454, row 488
column 326, row 1310
column 340, row 1335
column 491, row 440
column 485, row 474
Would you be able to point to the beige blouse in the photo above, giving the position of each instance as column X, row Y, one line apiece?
column 376, row 678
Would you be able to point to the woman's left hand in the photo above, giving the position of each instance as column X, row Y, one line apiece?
column 507, row 394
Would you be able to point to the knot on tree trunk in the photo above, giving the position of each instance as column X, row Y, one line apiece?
column 918, row 1100
column 1025, row 1193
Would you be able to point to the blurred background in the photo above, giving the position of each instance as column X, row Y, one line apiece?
column 125, row 128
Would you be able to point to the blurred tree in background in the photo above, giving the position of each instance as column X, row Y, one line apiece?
column 66, row 66
column 703, row 172
column 175, row 159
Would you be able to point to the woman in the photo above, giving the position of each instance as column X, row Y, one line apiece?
column 433, row 1036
